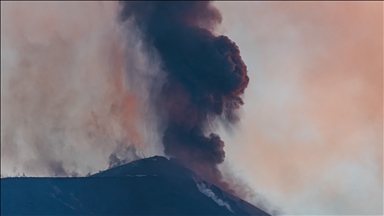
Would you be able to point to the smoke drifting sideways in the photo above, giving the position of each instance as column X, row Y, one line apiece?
column 65, row 109
column 205, row 78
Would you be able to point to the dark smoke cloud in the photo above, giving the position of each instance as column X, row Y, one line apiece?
column 205, row 78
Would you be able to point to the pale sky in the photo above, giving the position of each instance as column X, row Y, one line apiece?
column 312, row 129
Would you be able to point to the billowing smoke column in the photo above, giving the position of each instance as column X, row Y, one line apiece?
column 205, row 78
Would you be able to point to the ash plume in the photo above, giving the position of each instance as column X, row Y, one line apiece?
column 205, row 78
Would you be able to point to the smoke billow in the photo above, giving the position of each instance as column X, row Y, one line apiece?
column 205, row 78
column 72, row 86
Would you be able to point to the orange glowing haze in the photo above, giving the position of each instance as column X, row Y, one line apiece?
column 312, row 129
column 64, row 104
column 310, row 140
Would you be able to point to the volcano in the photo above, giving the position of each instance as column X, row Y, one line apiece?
column 151, row 186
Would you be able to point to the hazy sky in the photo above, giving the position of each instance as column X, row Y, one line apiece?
column 311, row 135
column 312, row 130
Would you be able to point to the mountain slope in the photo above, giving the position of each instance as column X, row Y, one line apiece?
column 152, row 186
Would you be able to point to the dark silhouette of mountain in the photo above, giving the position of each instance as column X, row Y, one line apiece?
column 151, row 186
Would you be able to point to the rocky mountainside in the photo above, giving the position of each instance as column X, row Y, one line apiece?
column 151, row 186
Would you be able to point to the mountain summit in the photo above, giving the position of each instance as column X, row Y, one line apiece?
column 151, row 186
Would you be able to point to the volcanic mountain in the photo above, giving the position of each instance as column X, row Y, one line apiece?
column 151, row 186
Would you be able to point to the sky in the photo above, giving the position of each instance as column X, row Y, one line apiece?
column 310, row 139
column 312, row 128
